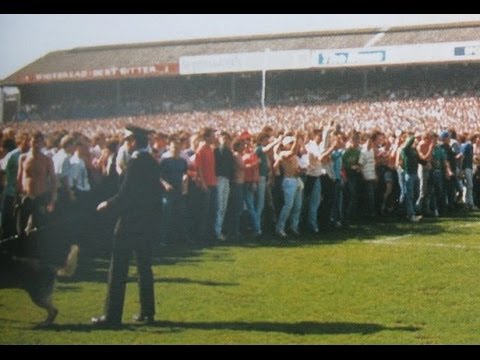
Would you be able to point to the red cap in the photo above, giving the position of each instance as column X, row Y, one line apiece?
column 245, row 135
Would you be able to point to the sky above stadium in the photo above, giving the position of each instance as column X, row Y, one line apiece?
column 25, row 38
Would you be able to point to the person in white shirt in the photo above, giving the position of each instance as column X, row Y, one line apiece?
column 313, row 185
column 61, row 164
column 123, row 157
column 78, row 170
column 367, row 164
column 82, row 209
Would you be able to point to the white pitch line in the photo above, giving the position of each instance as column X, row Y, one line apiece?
column 467, row 225
column 393, row 241
column 454, row 246
column 389, row 240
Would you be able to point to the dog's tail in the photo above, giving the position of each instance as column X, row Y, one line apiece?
column 71, row 263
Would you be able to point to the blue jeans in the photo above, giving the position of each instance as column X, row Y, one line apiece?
column 401, row 184
column 354, row 181
column 173, row 219
column 469, row 186
column 249, row 194
column 207, row 208
column 439, row 195
column 314, row 203
column 262, row 185
column 411, row 183
column 423, row 197
column 337, row 207
column 292, row 194
column 223, row 190
column 236, row 208
column 370, row 192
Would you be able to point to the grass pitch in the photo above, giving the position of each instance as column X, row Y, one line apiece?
column 389, row 283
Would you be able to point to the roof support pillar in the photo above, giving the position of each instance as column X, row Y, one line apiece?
column 264, row 73
column 1, row 105
column 266, row 55
column 233, row 92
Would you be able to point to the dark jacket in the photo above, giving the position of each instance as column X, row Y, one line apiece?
column 224, row 162
column 139, row 196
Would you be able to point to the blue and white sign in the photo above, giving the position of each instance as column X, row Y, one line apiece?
column 330, row 58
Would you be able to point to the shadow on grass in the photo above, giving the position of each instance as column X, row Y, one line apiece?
column 190, row 281
column 82, row 328
column 177, row 258
column 463, row 219
column 95, row 268
column 297, row 328
column 90, row 270
column 63, row 287
column 356, row 231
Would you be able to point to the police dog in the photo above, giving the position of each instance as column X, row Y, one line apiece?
column 36, row 278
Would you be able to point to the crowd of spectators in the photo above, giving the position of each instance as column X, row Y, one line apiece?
column 417, row 114
column 310, row 156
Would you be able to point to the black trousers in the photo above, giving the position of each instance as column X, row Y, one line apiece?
column 128, row 239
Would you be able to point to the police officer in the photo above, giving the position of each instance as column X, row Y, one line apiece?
column 136, row 203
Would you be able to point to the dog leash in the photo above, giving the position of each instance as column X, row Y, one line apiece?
column 14, row 237
column 34, row 230
column 10, row 238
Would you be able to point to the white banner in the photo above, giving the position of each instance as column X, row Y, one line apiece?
column 244, row 62
column 304, row 59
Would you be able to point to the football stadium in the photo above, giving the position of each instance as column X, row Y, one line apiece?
column 297, row 188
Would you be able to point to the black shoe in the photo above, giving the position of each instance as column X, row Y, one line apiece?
column 103, row 322
column 143, row 319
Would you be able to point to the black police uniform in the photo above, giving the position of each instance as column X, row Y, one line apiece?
column 137, row 202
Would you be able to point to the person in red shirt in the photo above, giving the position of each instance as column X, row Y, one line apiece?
column 252, row 176
column 205, row 165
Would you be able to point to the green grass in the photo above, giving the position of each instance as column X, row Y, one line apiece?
column 391, row 283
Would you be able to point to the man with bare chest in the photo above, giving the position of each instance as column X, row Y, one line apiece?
column 37, row 187
column 425, row 150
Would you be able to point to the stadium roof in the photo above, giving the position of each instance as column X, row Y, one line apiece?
column 162, row 58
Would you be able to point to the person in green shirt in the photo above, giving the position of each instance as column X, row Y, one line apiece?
column 354, row 176
column 440, row 170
